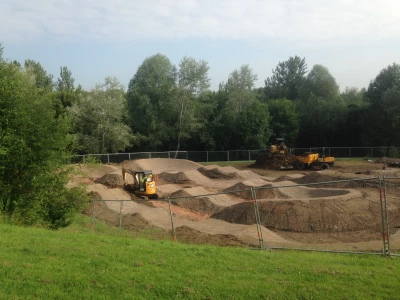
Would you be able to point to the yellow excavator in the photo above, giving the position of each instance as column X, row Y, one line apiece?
column 141, row 183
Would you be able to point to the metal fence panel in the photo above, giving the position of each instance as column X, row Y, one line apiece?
column 337, row 216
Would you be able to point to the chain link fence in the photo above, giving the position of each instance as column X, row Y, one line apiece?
column 241, row 155
column 352, row 216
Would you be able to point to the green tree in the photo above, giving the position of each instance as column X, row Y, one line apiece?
column 33, row 154
column 253, row 127
column 381, row 95
column 286, row 80
column 65, row 88
column 239, row 89
column 192, row 81
column 1, row 52
column 285, row 120
column 98, row 119
column 322, row 112
column 149, row 97
column 43, row 80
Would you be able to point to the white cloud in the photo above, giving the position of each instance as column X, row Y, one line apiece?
column 305, row 22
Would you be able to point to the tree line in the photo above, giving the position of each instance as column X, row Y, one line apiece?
column 168, row 107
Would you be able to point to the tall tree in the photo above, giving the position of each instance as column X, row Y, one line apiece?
column 383, row 108
column 192, row 81
column 286, row 80
column 149, row 98
column 321, row 109
column 33, row 154
column 43, row 80
column 239, row 88
column 98, row 119
column 66, row 93
column 253, row 127
column 285, row 119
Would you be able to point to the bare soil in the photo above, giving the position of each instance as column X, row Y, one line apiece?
column 214, row 205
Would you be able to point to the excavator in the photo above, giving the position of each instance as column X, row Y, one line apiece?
column 280, row 158
column 141, row 183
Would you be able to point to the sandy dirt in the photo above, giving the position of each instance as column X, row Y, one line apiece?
column 213, row 204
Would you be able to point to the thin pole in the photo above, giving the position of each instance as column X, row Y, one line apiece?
column 121, row 208
column 381, row 201
column 386, row 216
column 257, row 216
column 94, row 213
column 172, row 221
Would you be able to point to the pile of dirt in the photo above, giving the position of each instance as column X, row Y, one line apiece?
column 308, row 216
column 243, row 191
column 179, row 178
column 186, row 234
column 111, row 180
column 314, row 177
column 197, row 204
column 217, row 173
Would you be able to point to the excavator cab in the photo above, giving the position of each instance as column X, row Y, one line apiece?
column 279, row 147
column 141, row 183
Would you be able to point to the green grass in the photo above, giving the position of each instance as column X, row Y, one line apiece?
column 76, row 263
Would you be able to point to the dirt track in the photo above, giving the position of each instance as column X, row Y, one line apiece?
column 335, row 216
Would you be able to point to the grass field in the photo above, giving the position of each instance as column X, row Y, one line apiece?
column 76, row 263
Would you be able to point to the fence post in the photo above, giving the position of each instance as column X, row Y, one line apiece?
column 227, row 154
column 172, row 221
column 169, row 154
column 249, row 156
column 349, row 152
column 129, row 156
column 121, row 208
column 108, row 158
column 257, row 216
column 93, row 213
column 207, row 156
column 384, row 215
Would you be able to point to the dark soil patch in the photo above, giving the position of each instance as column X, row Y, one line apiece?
column 195, row 204
column 218, row 174
column 111, row 180
column 186, row 234
column 243, row 191
column 178, row 178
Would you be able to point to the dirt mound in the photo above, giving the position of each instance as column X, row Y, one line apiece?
column 197, row 204
column 179, row 177
column 217, row 173
column 313, row 177
column 308, row 216
column 189, row 235
column 159, row 165
column 111, row 180
column 243, row 191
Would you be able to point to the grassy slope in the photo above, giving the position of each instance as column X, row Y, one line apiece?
column 75, row 263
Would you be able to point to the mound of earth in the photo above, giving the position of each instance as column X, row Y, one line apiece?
column 217, row 173
column 179, row 177
column 308, row 216
column 111, row 180
column 189, row 235
column 159, row 165
column 197, row 204
column 242, row 190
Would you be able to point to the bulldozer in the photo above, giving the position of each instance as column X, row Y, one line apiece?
column 280, row 157
column 142, row 183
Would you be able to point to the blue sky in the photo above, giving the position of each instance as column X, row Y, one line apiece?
column 354, row 39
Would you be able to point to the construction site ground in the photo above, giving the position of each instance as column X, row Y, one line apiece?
column 344, row 216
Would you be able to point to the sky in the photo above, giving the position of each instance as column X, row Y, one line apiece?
column 354, row 39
